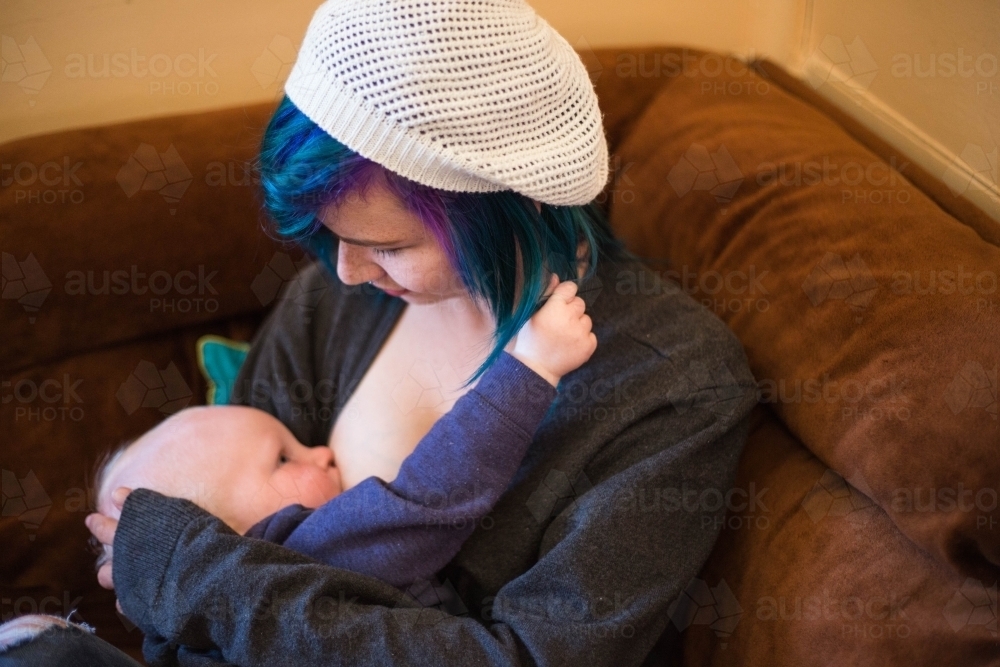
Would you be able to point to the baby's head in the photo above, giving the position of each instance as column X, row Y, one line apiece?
column 239, row 463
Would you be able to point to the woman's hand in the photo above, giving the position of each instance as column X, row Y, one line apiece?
column 103, row 528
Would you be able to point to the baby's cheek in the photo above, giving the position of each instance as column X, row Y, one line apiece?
column 292, row 484
column 316, row 487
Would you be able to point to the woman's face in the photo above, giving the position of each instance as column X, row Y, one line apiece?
column 383, row 242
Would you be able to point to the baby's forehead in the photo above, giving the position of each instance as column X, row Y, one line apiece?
column 205, row 416
column 200, row 432
column 208, row 432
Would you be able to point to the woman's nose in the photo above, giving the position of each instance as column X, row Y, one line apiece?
column 352, row 268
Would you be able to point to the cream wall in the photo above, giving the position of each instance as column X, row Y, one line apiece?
column 245, row 48
column 208, row 54
column 923, row 74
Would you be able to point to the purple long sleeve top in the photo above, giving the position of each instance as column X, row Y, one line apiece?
column 406, row 530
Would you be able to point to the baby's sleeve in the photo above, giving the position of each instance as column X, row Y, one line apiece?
column 279, row 526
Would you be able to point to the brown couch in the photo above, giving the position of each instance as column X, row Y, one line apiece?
column 863, row 526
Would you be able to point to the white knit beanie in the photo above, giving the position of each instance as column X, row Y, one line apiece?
column 460, row 95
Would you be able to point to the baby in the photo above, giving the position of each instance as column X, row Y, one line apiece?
column 245, row 467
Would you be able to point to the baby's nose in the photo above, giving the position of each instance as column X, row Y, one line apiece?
column 322, row 456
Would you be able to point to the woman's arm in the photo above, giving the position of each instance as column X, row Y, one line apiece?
column 600, row 592
column 597, row 589
column 406, row 530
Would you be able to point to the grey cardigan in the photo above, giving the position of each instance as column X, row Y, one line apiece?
column 610, row 516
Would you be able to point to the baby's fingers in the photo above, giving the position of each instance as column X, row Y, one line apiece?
column 103, row 527
column 104, row 577
column 119, row 495
column 567, row 290
column 553, row 282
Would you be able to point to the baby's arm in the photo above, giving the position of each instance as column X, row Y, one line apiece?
column 406, row 530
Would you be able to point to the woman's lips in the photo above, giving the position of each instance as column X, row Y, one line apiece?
column 393, row 292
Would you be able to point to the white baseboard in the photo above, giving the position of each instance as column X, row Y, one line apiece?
column 963, row 180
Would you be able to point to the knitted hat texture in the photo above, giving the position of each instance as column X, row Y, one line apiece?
column 460, row 95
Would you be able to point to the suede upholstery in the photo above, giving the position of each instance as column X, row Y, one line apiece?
column 877, row 362
column 97, row 359
column 807, row 275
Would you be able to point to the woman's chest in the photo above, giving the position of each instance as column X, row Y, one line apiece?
column 414, row 379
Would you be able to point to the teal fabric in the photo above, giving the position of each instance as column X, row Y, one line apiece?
column 220, row 360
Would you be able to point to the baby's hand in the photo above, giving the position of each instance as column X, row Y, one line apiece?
column 558, row 338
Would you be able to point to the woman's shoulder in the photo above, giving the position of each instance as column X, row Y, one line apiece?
column 656, row 339
column 636, row 301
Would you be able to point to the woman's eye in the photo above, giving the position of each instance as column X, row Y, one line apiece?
column 390, row 251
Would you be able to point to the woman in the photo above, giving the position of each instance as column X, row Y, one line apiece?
column 440, row 159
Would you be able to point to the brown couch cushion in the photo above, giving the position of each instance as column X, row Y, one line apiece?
column 813, row 571
column 117, row 232
column 75, row 345
column 52, row 440
column 869, row 315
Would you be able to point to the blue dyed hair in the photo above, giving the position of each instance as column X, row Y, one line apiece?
column 302, row 169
